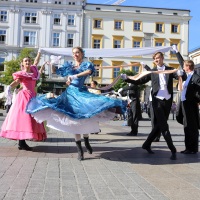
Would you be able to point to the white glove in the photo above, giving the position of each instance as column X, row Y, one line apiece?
column 179, row 72
column 174, row 47
column 143, row 64
column 39, row 50
column 55, row 59
column 124, row 76
column 120, row 90
column 72, row 77
column 8, row 91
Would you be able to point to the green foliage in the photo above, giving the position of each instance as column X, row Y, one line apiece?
column 27, row 52
column 14, row 65
column 121, row 83
column 10, row 67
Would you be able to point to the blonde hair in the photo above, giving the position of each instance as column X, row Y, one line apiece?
column 158, row 53
column 190, row 64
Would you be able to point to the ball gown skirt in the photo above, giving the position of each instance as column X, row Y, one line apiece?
column 75, row 111
column 19, row 125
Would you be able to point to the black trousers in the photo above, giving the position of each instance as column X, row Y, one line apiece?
column 161, row 113
column 134, row 116
column 190, row 122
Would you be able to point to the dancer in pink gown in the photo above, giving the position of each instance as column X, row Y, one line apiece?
column 19, row 125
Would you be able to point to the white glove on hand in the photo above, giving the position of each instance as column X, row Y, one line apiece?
column 124, row 76
column 174, row 47
column 55, row 59
column 39, row 50
column 72, row 77
column 8, row 91
column 179, row 72
column 118, row 92
column 143, row 64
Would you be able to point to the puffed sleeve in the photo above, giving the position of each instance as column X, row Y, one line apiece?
column 88, row 66
column 65, row 70
column 22, row 75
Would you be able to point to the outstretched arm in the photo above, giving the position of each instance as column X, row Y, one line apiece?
column 178, row 55
column 72, row 77
column 37, row 58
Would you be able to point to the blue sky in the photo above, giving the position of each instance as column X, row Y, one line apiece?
column 192, row 5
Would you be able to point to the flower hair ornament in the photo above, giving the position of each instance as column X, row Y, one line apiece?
column 55, row 59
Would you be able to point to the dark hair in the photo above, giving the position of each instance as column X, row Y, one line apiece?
column 95, row 82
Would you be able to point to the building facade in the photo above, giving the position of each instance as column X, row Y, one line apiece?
column 69, row 23
column 115, row 26
column 195, row 56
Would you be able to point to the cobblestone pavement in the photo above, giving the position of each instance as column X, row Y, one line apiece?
column 118, row 169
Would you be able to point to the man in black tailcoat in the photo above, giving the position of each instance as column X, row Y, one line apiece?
column 162, row 95
column 188, row 111
column 132, row 93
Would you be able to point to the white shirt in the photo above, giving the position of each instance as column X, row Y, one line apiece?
column 163, row 91
column 185, row 85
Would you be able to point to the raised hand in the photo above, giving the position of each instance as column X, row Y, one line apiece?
column 174, row 47
column 124, row 76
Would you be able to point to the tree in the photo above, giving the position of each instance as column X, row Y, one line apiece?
column 121, row 83
column 14, row 65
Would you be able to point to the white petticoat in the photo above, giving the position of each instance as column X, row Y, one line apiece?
column 64, row 123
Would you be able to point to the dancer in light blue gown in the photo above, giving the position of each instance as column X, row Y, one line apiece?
column 76, row 110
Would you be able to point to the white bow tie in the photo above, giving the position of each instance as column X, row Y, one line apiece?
column 160, row 68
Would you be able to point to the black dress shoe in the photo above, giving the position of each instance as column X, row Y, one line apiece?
column 148, row 150
column 189, row 152
column 131, row 134
column 183, row 151
column 173, row 156
column 25, row 147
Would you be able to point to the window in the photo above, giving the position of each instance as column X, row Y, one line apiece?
column 137, row 42
column 1, row 64
column 56, row 39
column 70, row 40
column 98, row 8
column 57, row 2
column 116, row 72
column 96, row 72
column 2, row 36
column 117, row 44
column 97, row 44
column 97, row 41
column 135, row 69
column 29, row 38
column 118, row 25
column 174, row 42
column 97, row 23
column 159, row 42
column 160, row 27
column 137, row 26
column 71, row 20
column 56, row 19
column 175, row 28
column 3, row 16
column 117, row 69
column 31, row 1
column 117, row 41
column 30, row 18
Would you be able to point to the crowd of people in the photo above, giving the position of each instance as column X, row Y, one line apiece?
column 75, row 109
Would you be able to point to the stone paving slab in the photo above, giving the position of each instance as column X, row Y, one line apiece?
column 118, row 169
